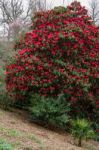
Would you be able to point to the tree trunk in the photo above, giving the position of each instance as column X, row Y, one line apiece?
column 79, row 141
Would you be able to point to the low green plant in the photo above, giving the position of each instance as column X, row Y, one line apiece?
column 81, row 129
column 5, row 145
column 51, row 111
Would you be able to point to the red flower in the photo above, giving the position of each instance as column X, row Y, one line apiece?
column 59, row 55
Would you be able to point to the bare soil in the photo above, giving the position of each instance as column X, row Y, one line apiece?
column 17, row 129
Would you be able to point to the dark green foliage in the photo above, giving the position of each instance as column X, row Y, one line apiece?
column 51, row 111
column 96, row 128
column 5, row 101
column 85, row 109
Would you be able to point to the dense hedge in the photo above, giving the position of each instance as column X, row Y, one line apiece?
column 59, row 55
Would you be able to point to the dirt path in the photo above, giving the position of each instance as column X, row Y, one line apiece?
column 16, row 129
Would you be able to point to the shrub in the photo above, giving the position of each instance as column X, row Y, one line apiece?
column 51, row 111
column 59, row 54
column 4, row 97
column 85, row 108
column 96, row 128
column 5, row 101
column 5, row 51
column 81, row 129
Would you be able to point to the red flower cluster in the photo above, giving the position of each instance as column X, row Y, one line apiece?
column 59, row 55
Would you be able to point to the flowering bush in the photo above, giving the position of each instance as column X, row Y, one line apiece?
column 59, row 55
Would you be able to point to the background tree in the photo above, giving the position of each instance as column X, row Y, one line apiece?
column 14, row 16
column 40, row 5
column 94, row 10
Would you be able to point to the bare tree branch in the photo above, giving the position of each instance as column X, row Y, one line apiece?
column 94, row 10
column 12, row 11
column 16, row 16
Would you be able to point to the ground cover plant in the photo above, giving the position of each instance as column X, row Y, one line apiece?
column 59, row 55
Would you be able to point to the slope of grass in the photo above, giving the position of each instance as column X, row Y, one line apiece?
column 20, row 134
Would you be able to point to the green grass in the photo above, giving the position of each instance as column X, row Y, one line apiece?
column 16, row 144
column 10, row 132
column 37, row 140
column 14, row 133
column 4, row 145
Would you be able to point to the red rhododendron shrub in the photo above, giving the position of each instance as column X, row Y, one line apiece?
column 59, row 55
